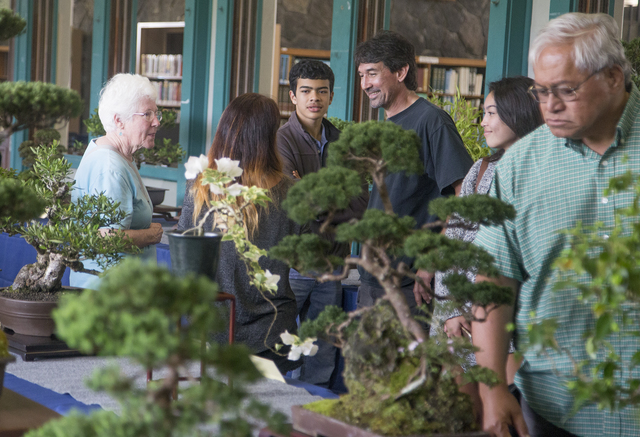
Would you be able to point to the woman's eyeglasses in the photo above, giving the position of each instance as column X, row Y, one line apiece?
column 150, row 114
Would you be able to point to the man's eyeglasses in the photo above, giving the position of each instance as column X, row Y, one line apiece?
column 562, row 92
column 150, row 114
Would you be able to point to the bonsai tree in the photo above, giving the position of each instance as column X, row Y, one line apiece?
column 29, row 105
column 400, row 381
column 135, row 314
column 165, row 151
column 71, row 231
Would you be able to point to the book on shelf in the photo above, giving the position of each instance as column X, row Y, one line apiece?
column 169, row 92
column 161, row 65
column 287, row 61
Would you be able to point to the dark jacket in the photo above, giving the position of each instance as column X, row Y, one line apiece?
column 299, row 151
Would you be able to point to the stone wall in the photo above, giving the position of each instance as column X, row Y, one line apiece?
column 453, row 28
column 305, row 24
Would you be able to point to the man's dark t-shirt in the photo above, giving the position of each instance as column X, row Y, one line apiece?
column 445, row 161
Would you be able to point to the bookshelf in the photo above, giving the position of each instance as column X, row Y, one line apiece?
column 442, row 76
column 159, row 57
column 288, row 57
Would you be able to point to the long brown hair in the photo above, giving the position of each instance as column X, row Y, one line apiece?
column 246, row 133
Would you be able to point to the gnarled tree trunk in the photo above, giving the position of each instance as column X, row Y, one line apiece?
column 45, row 275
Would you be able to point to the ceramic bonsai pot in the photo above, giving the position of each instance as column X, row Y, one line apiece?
column 315, row 424
column 3, row 363
column 27, row 317
column 194, row 253
column 156, row 195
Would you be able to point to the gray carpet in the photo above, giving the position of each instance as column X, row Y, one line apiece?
column 67, row 375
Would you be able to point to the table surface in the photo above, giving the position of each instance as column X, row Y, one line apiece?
column 19, row 414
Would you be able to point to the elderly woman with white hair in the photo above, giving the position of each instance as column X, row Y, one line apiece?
column 130, row 117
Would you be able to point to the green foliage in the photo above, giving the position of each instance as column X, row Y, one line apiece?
column 377, row 228
column 135, row 314
column 94, row 125
column 376, row 142
column 306, row 253
column 71, row 233
column 11, row 24
column 35, row 105
column 326, row 322
column 329, row 190
column 41, row 137
column 339, row 123
column 165, row 152
column 467, row 119
column 18, row 201
column 602, row 268
column 632, row 53
column 479, row 209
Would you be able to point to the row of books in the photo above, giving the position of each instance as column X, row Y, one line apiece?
column 161, row 65
column 286, row 62
column 169, row 92
column 284, row 102
column 448, row 80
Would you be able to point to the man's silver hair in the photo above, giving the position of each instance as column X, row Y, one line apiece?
column 595, row 39
column 122, row 96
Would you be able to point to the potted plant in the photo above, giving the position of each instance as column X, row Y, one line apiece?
column 134, row 314
column 68, row 235
column 400, row 381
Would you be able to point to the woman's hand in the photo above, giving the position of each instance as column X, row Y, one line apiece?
column 457, row 326
column 155, row 233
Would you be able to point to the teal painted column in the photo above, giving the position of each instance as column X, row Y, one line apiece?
column 99, row 49
column 54, row 42
column 223, row 40
column 344, row 30
column 195, row 80
column 22, row 71
column 559, row 7
column 508, row 41
column 258, row 45
column 134, row 36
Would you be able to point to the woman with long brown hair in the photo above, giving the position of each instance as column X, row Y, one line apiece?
column 247, row 133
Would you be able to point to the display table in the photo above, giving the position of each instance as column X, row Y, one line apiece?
column 19, row 414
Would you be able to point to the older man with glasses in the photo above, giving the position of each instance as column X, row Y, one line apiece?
column 555, row 178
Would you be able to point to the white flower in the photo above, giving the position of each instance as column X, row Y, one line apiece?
column 229, row 167
column 288, row 338
column 271, row 278
column 234, row 189
column 195, row 165
column 216, row 189
column 413, row 345
column 294, row 353
column 308, row 348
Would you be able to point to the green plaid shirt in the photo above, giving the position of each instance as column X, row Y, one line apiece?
column 553, row 183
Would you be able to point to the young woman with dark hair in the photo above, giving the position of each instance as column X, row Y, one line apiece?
column 247, row 133
column 510, row 113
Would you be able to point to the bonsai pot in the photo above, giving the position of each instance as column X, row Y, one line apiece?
column 27, row 317
column 156, row 195
column 313, row 423
column 3, row 363
column 194, row 253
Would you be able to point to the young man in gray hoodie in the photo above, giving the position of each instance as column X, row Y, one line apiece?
column 303, row 144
